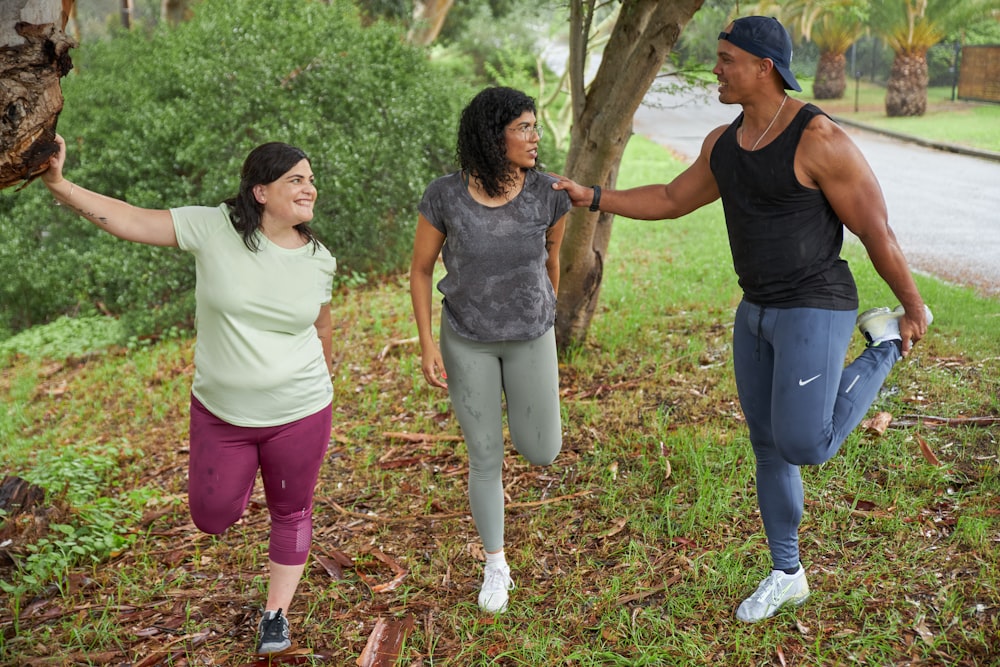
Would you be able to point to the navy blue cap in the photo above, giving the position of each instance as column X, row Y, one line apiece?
column 764, row 37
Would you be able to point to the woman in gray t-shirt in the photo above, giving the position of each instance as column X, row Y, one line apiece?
column 498, row 224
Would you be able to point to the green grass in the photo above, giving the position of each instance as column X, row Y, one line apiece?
column 964, row 123
column 633, row 548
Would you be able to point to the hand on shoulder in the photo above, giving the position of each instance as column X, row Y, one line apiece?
column 579, row 195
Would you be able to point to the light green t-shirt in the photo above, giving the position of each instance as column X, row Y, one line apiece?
column 258, row 359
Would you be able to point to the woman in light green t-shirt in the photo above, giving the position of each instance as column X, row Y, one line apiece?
column 261, row 395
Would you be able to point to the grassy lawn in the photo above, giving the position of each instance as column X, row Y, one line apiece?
column 633, row 548
column 972, row 124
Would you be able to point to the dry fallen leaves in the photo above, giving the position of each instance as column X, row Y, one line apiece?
column 926, row 451
column 877, row 424
column 384, row 642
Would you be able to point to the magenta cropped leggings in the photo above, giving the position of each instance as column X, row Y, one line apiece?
column 223, row 466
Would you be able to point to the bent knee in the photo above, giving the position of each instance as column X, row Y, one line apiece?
column 543, row 454
column 212, row 520
column 211, row 525
column 807, row 456
column 807, row 460
column 806, row 449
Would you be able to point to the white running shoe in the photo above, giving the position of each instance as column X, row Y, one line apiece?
column 496, row 582
column 880, row 325
column 775, row 591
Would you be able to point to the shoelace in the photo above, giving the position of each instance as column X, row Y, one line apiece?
column 268, row 629
column 769, row 589
column 497, row 578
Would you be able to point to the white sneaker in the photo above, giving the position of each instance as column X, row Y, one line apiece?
column 496, row 582
column 778, row 589
column 880, row 325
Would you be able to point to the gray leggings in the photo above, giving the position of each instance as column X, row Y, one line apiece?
column 480, row 375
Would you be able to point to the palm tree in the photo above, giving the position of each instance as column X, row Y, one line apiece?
column 834, row 33
column 910, row 28
column 833, row 25
column 909, row 32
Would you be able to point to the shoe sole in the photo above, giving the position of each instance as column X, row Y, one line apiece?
column 876, row 313
column 881, row 315
column 794, row 602
column 291, row 647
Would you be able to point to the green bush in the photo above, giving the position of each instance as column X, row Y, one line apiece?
column 64, row 337
column 165, row 119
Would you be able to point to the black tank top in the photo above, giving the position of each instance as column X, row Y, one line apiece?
column 785, row 238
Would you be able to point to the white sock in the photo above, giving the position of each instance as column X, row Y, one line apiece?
column 496, row 560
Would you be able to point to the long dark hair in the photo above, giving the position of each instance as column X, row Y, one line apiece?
column 482, row 136
column 265, row 164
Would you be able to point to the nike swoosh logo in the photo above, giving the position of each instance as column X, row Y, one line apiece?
column 803, row 383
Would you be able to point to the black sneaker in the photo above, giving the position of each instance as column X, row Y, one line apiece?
column 273, row 635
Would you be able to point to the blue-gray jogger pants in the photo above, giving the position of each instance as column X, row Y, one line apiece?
column 800, row 403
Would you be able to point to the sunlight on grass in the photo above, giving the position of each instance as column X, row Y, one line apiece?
column 971, row 124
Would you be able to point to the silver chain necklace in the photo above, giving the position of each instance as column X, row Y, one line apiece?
column 769, row 125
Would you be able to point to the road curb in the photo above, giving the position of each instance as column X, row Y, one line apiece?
column 938, row 145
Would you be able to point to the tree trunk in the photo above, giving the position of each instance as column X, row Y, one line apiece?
column 175, row 12
column 126, row 12
column 428, row 19
column 643, row 36
column 831, row 81
column 906, row 92
column 34, row 55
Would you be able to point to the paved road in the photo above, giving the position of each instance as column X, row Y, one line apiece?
column 944, row 207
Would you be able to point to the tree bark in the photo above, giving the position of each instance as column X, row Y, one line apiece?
column 34, row 55
column 643, row 36
column 906, row 91
column 831, row 80
column 428, row 19
column 126, row 13
column 175, row 12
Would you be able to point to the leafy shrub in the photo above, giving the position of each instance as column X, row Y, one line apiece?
column 99, row 525
column 166, row 119
column 65, row 337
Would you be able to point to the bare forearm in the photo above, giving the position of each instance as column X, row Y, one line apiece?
column 116, row 217
column 420, row 299
column 324, row 331
column 647, row 202
column 891, row 265
column 326, row 339
column 692, row 189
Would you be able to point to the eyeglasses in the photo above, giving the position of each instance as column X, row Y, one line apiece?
column 527, row 131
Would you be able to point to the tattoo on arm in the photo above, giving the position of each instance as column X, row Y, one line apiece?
column 93, row 217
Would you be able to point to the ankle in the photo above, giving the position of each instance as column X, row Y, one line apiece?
column 496, row 559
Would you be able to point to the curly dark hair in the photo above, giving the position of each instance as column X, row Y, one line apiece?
column 482, row 141
column 265, row 164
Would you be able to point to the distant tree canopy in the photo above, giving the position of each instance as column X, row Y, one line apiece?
column 166, row 119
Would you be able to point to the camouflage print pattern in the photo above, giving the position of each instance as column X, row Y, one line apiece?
column 496, row 287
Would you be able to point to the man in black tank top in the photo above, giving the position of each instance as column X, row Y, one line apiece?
column 790, row 180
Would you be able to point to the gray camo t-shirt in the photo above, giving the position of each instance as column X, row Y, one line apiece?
column 496, row 287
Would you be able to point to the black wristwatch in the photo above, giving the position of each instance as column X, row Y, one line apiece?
column 595, row 204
